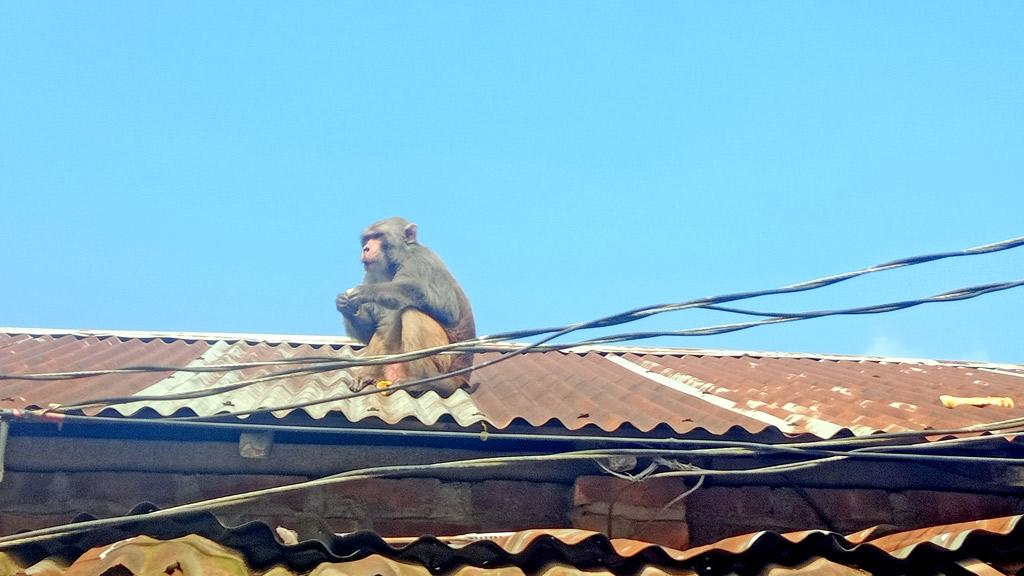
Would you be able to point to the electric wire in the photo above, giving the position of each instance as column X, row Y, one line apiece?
column 950, row 296
column 612, row 320
column 140, row 368
column 827, row 280
column 773, row 318
column 361, row 474
column 960, row 294
column 813, row 451
column 782, row 317
column 331, row 365
column 815, row 458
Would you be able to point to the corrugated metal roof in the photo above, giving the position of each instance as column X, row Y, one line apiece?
column 199, row 543
column 949, row 536
column 684, row 390
column 196, row 555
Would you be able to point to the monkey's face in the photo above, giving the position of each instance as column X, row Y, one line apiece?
column 374, row 259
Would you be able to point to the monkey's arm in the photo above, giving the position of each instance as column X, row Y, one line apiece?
column 437, row 300
column 422, row 281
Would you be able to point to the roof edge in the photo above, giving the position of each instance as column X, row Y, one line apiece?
column 599, row 349
column 209, row 336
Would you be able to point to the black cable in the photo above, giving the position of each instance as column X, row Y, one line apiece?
column 945, row 297
column 825, row 281
column 961, row 294
column 719, row 329
column 134, row 369
column 353, row 475
column 821, row 456
column 773, row 318
column 612, row 320
column 781, row 317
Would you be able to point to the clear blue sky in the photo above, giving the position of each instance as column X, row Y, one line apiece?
column 207, row 166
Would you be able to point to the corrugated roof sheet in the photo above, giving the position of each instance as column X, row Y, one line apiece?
column 610, row 389
column 198, row 543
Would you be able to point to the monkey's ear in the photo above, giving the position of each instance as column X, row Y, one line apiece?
column 410, row 233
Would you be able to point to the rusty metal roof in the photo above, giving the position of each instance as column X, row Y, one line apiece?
column 199, row 543
column 610, row 389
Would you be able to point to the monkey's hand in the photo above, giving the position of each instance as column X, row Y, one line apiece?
column 360, row 379
column 348, row 302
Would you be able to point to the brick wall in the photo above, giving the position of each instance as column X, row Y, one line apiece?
column 391, row 507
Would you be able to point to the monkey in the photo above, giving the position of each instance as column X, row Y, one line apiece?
column 408, row 301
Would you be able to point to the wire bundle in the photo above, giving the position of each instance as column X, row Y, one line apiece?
column 502, row 342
